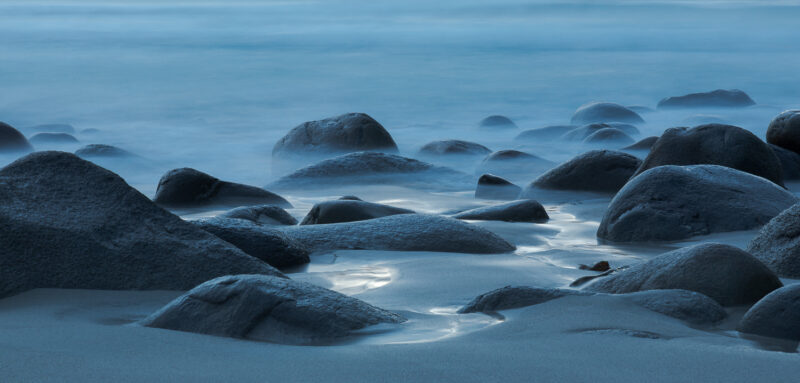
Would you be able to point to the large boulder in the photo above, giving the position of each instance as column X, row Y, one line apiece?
column 597, row 170
column 790, row 162
column 676, row 202
column 349, row 211
column 403, row 232
column 496, row 121
column 725, row 273
column 494, row 187
column 187, row 187
column 268, row 309
column 604, row 112
column 11, row 140
column 68, row 223
column 777, row 315
column 777, row 244
column 261, row 214
column 733, row 98
column 267, row 245
column 547, row 133
column 608, row 135
column 715, row 144
column 784, row 130
column 93, row 151
column 453, row 147
column 515, row 211
column 53, row 138
column 351, row 132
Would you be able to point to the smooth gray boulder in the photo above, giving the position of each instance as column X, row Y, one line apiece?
column 581, row 133
column 403, row 232
column 68, row 223
column 604, row 112
column 715, row 144
column 103, row 151
column 725, row 273
column 512, row 297
column 643, row 144
column 268, row 309
column 547, row 133
column 52, row 138
column 676, row 202
column 11, row 140
column 351, row 132
column 349, row 211
column 604, row 171
column 187, row 187
column 515, row 211
column 350, row 198
column 720, row 98
column 453, row 147
column 497, row 121
column 261, row 214
column 784, row 130
column 270, row 246
column 777, row 315
column 790, row 162
column 777, row 244
column 52, row 128
column 608, row 135
column 497, row 188
column 513, row 163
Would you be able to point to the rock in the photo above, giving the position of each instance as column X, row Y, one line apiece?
column 68, row 223
column 512, row 297
column 349, row 211
column 402, row 232
column 52, row 138
column 513, row 162
column 790, row 162
column 352, row 132
column 267, row 245
column 777, row 244
column 103, row 151
column 261, row 214
column 11, row 140
column 777, row 315
column 599, row 266
column 733, row 98
column 268, row 309
column 187, row 187
column 588, row 278
column 604, row 112
column 608, row 135
column 372, row 168
column 677, row 202
column 496, row 121
column 450, row 147
column 493, row 187
column 583, row 132
column 52, row 128
column 596, row 170
column 515, row 211
column 784, row 130
column 724, row 273
column 350, row 198
column 548, row 133
column 643, row 144
column 715, row 144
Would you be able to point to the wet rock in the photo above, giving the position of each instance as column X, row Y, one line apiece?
column 784, row 130
column 511, row 297
column 548, row 133
column 608, row 135
column 52, row 128
column 777, row 244
column 453, row 147
column 349, row 211
column 493, row 187
column 513, row 162
column 733, row 98
column 52, row 138
column 777, row 315
column 352, row 132
column 676, row 202
column 604, row 112
column 11, row 140
column 350, row 198
column 701, row 119
column 268, row 309
column 724, row 273
column 790, row 162
column 599, row 266
column 596, row 170
column 187, row 187
column 68, row 223
column 583, row 132
column 103, row 151
column 261, row 214
column 643, row 144
column 515, row 211
column 494, row 122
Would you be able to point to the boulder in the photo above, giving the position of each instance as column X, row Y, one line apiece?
column 261, row 214
column 352, row 132
column 402, row 232
column 677, row 202
column 548, row 133
column 52, row 128
column 68, row 223
column 608, row 135
column 733, row 98
column 777, row 244
column 270, row 246
column 268, row 309
column 784, row 130
column 583, row 132
column 453, row 147
column 603, row 171
column 349, row 211
column 725, row 273
column 103, row 151
column 513, row 162
column 512, row 297
column 494, row 122
column 53, row 138
column 777, row 315
column 643, row 144
column 11, row 140
column 494, row 187
column 187, row 187
column 350, row 198
column 515, row 211
column 604, row 112
column 715, row 144
column 790, row 162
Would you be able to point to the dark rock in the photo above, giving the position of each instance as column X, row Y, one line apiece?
column 352, row 132
column 513, row 162
column 11, row 140
column 267, row 245
column 493, row 187
column 350, row 198
column 718, row 98
column 457, row 147
column 261, row 214
column 608, row 135
column 643, row 144
column 187, row 187
column 604, row 112
column 715, row 144
column 103, row 151
column 790, row 162
column 268, row 309
column 349, row 211
column 777, row 315
column 68, row 223
column 52, row 128
column 497, row 122
column 588, row 278
column 596, row 170
column 777, row 244
column 515, row 211
column 548, row 133
column 52, row 138
column 599, row 266
column 583, row 132
column 676, row 202
column 784, row 130
column 724, row 273
column 512, row 297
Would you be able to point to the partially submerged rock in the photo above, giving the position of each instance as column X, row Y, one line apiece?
column 548, row 133
column 582, row 133
column 777, row 244
column 261, row 214
column 512, row 297
column 676, row 202
column 601, row 266
column 608, row 135
column 513, row 163
column 597, row 170
column 187, row 187
column 103, row 151
column 496, row 121
column 453, row 147
column 777, row 315
column 52, row 138
column 494, row 187
column 733, row 98
column 270, row 246
column 351, row 132
column 11, row 140
column 784, row 130
column 604, row 112
column 268, row 309
column 515, row 211
column 349, row 211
